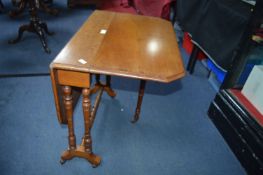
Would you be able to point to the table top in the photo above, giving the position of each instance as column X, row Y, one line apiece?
column 124, row 45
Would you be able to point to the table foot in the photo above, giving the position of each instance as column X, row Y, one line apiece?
column 96, row 88
column 80, row 152
column 109, row 91
column 135, row 119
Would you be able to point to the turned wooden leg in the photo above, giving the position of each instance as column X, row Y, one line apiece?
column 85, row 149
column 87, row 141
column 86, row 112
column 67, row 99
column 139, row 102
column 69, row 113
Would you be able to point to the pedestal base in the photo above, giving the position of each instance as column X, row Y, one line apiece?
column 37, row 27
column 80, row 152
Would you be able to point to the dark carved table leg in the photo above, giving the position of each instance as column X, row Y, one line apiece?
column 21, row 7
column 35, row 26
column 47, row 9
column 139, row 102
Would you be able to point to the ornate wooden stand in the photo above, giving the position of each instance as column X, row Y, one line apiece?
column 42, row 5
column 35, row 26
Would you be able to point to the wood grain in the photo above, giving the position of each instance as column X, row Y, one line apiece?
column 72, row 78
column 134, row 46
column 145, row 48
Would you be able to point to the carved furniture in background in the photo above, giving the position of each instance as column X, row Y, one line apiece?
column 22, row 4
column 113, row 44
column 35, row 26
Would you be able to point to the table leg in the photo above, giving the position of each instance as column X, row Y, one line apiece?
column 86, row 113
column 86, row 105
column 139, row 102
column 68, row 103
column 97, row 85
column 85, row 149
column 106, row 87
column 193, row 59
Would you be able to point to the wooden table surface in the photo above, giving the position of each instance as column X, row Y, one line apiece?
column 133, row 46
